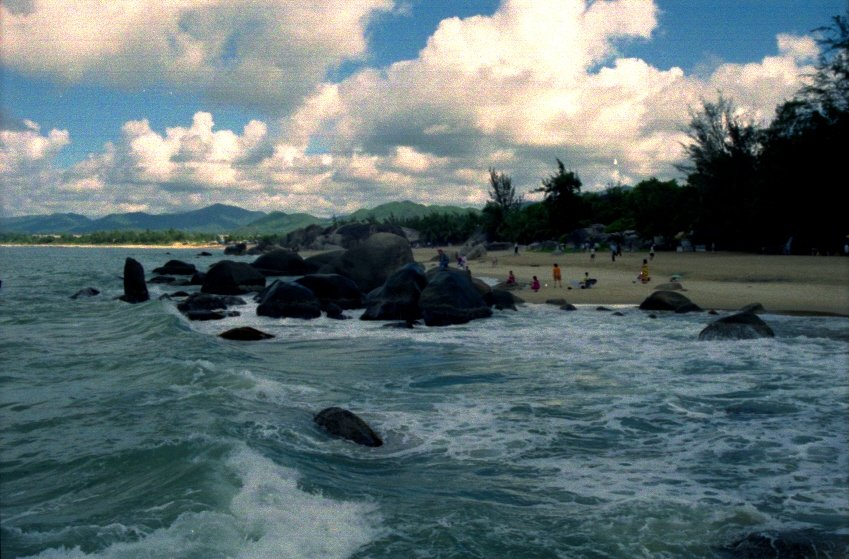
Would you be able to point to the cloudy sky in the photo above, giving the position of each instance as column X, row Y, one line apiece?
column 327, row 107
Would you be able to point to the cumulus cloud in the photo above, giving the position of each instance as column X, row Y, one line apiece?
column 532, row 82
column 266, row 53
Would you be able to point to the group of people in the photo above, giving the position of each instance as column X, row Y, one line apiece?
column 444, row 260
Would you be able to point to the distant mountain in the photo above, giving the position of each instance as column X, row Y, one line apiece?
column 405, row 210
column 281, row 223
column 54, row 223
column 217, row 218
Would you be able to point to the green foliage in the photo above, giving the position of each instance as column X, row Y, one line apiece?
column 563, row 200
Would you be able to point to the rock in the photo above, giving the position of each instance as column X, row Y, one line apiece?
column 284, row 299
column 371, row 262
column 474, row 252
column 334, row 311
column 500, row 299
column 322, row 259
column 407, row 325
column 398, row 298
column 245, row 334
column 283, row 262
column 568, row 307
column 162, row 279
column 670, row 286
column 208, row 302
column 209, row 315
column 603, row 309
column 333, row 288
column 740, row 326
column 85, row 292
column 135, row 288
column 451, row 298
column 342, row 423
column 756, row 308
column 176, row 268
column 668, row 301
column 558, row 301
column 204, row 253
column 237, row 249
column 232, row 278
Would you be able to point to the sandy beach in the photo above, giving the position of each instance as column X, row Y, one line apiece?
column 712, row 280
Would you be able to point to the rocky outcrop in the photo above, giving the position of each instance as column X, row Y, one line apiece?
column 208, row 302
column 232, row 278
column 398, row 298
column 500, row 299
column 800, row 544
column 371, row 262
column 135, row 288
column 85, row 292
column 283, row 262
column 333, row 289
column 176, row 268
column 668, row 301
column 324, row 258
column 284, row 299
column 741, row 326
column 451, row 298
column 209, row 315
column 342, row 423
column 245, row 334
column 237, row 249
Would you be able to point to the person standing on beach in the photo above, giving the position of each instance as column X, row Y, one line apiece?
column 592, row 254
column 535, row 284
column 651, row 252
column 516, row 249
column 613, row 252
column 644, row 272
column 443, row 259
column 556, row 277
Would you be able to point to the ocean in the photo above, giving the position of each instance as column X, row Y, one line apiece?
column 127, row 431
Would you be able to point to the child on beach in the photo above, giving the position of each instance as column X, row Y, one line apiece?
column 535, row 284
column 644, row 272
column 556, row 276
column 511, row 279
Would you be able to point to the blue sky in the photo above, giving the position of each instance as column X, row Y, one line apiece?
column 277, row 106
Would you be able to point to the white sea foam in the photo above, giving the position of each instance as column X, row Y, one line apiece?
column 269, row 516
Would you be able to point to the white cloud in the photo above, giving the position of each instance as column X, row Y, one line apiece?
column 533, row 82
column 266, row 53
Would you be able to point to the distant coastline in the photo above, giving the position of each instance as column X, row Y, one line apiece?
column 123, row 246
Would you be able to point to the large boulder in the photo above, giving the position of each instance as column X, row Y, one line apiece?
column 284, row 299
column 237, row 249
column 324, row 258
column 333, row 288
column 668, row 301
column 451, row 298
column 741, row 326
column 398, row 297
column 283, row 262
column 176, row 268
column 371, row 262
column 500, row 299
column 135, row 288
column 232, row 278
column 342, row 423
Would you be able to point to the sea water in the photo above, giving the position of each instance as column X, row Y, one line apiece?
column 128, row 431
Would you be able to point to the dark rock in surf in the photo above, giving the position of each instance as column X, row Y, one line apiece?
column 232, row 278
column 208, row 302
column 500, row 299
column 135, row 288
column 162, row 279
column 209, row 315
column 398, row 298
column 668, row 301
column 237, row 249
column 283, row 262
column 371, row 262
column 568, row 307
column 333, row 288
column 284, row 299
column 85, row 292
column 245, row 334
column 740, row 326
column 176, row 268
column 342, row 423
column 451, row 298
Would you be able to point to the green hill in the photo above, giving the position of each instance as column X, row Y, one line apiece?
column 404, row 210
column 281, row 223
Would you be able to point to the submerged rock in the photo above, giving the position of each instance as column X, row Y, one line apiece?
column 285, row 299
column 342, row 423
column 176, row 268
column 245, row 334
column 668, row 301
column 85, row 292
column 802, row 544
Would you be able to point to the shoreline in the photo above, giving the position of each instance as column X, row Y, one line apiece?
column 722, row 281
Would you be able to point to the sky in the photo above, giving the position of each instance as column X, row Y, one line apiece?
column 328, row 107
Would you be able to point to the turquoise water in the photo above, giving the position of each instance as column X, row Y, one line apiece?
column 128, row 431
